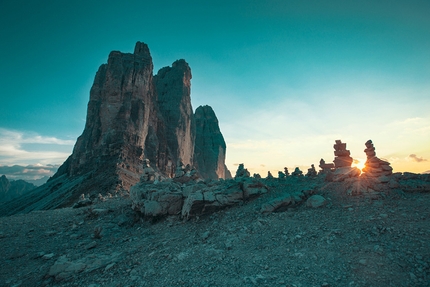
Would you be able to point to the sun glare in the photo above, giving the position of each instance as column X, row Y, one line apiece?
column 359, row 163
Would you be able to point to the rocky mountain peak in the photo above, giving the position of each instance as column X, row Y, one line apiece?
column 132, row 115
column 210, row 147
column 142, row 50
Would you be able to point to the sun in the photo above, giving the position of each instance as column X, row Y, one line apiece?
column 359, row 163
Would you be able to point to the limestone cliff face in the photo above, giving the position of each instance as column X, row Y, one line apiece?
column 210, row 146
column 119, row 110
column 173, row 86
column 131, row 116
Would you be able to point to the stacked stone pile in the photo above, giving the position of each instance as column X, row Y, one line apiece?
column 297, row 172
column 374, row 166
column 342, row 164
column 311, row 171
column 325, row 167
column 342, row 155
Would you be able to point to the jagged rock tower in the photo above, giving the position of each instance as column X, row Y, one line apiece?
column 210, row 147
column 132, row 116
column 121, row 106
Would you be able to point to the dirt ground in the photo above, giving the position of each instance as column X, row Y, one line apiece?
column 351, row 241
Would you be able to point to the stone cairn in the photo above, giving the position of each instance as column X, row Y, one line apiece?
column 269, row 175
column 241, row 172
column 374, row 166
column 325, row 167
column 297, row 172
column 256, row 176
column 286, row 171
column 342, row 155
column 148, row 172
column 311, row 171
column 281, row 175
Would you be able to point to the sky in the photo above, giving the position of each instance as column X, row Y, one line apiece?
column 285, row 78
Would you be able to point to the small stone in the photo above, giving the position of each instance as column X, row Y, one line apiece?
column 109, row 266
column 363, row 261
column 91, row 245
column 205, row 235
column 316, row 201
column 48, row 256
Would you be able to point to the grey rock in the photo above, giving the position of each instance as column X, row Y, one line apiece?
column 48, row 256
column 212, row 198
column 316, row 201
column 210, row 147
column 131, row 116
column 65, row 268
column 91, row 245
column 173, row 88
column 164, row 198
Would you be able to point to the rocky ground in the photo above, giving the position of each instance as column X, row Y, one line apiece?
column 351, row 241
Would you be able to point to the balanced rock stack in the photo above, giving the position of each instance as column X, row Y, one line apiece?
column 374, row 166
column 342, row 164
column 342, row 155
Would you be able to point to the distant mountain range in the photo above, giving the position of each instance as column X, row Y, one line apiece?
column 10, row 189
column 38, row 182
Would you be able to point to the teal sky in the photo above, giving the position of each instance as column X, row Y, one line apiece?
column 285, row 78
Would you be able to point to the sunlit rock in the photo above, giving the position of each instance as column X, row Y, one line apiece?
column 375, row 167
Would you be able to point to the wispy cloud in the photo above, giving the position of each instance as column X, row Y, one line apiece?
column 415, row 158
column 29, row 148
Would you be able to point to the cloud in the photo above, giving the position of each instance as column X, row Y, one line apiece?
column 29, row 172
column 29, row 148
column 427, row 172
column 414, row 157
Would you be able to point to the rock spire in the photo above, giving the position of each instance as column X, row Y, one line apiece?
column 210, row 147
column 133, row 115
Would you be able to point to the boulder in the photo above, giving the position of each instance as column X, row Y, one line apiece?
column 154, row 200
column 343, row 173
column 211, row 199
column 315, row 201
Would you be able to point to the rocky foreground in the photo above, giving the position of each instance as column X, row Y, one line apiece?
column 379, row 238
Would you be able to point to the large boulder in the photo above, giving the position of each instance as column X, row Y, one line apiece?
column 212, row 198
column 154, row 200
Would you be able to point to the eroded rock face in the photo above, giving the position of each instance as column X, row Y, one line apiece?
column 193, row 198
column 111, row 146
column 210, row 147
column 131, row 116
column 173, row 86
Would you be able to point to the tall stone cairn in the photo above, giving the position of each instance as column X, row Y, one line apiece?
column 342, row 155
column 374, row 166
